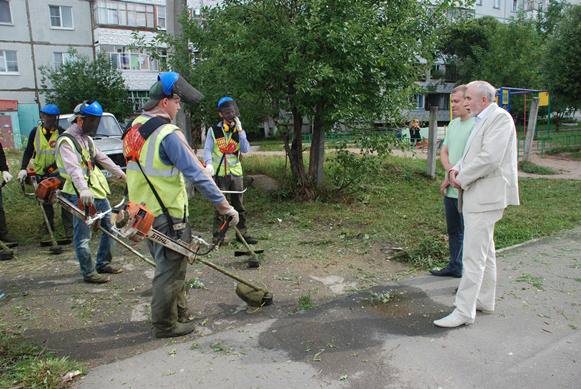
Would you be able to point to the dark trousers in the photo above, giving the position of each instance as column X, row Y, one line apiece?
column 168, row 286
column 3, row 228
column 455, row 224
column 230, row 182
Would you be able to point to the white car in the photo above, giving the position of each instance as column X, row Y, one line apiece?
column 107, row 139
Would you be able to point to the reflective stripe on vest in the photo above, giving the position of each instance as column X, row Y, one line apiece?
column 97, row 183
column 44, row 150
column 231, row 164
column 167, row 180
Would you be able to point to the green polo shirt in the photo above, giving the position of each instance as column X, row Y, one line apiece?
column 457, row 134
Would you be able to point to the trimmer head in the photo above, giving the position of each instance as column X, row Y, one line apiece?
column 253, row 297
column 6, row 255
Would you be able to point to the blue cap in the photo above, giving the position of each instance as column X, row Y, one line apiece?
column 223, row 100
column 50, row 109
column 91, row 108
column 168, row 80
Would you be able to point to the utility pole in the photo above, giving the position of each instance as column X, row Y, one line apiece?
column 431, row 163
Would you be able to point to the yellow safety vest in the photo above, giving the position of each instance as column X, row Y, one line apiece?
column 95, row 179
column 167, row 180
column 231, row 163
column 44, row 150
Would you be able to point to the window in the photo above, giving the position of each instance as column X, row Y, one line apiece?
column 61, row 58
column 514, row 5
column 124, row 59
column 496, row 4
column 138, row 99
column 8, row 62
column 419, row 101
column 5, row 15
column 61, row 16
column 161, row 18
column 121, row 13
column 478, row 2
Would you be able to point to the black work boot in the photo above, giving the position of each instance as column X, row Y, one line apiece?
column 180, row 329
column 4, row 235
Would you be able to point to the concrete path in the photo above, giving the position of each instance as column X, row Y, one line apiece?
column 533, row 340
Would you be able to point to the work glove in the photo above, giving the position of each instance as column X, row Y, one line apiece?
column 238, row 124
column 7, row 177
column 86, row 197
column 232, row 213
column 22, row 175
column 209, row 169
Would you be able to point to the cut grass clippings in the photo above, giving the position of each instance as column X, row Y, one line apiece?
column 26, row 366
column 529, row 167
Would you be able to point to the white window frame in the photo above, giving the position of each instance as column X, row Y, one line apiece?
column 514, row 7
column 420, row 101
column 164, row 17
column 65, row 58
column 3, row 58
column 11, row 23
column 496, row 4
column 478, row 2
column 60, row 7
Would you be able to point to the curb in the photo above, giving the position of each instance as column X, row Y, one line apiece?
column 516, row 246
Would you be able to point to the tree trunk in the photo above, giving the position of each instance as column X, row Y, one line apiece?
column 317, row 155
column 295, row 154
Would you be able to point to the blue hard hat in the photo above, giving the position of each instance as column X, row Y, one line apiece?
column 168, row 80
column 50, row 109
column 223, row 100
column 90, row 108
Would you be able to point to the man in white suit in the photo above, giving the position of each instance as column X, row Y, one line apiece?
column 487, row 179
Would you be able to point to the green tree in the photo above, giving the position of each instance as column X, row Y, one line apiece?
column 561, row 65
column 508, row 54
column 325, row 61
column 81, row 79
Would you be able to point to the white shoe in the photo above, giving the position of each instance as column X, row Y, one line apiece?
column 452, row 320
column 484, row 310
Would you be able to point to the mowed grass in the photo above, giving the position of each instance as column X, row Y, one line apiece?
column 401, row 207
column 23, row 365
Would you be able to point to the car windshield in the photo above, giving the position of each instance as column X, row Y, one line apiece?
column 107, row 127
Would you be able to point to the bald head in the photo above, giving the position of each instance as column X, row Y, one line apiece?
column 478, row 96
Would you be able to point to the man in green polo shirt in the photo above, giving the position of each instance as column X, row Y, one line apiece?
column 452, row 150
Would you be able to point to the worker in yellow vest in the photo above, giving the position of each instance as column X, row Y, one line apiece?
column 225, row 142
column 159, row 161
column 78, row 161
column 41, row 146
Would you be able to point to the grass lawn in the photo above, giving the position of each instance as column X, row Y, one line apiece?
column 570, row 152
column 26, row 366
column 401, row 206
column 529, row 167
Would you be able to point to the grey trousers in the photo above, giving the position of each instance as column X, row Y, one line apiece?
column 168, row 286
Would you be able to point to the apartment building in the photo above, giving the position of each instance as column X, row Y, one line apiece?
column 33, row 34
column 115, row 21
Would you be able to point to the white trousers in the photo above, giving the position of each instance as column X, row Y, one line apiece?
column 478, row 283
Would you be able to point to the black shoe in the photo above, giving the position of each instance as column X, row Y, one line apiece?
column 9, row 241
column 253, row 263
column 180, row 329
column 445, row 272
column 247, row 238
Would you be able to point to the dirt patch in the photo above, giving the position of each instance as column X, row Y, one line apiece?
column 50, row 305
column 568, row 169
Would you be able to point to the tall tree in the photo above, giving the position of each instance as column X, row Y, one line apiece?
column 322, row 60
column 561, row 65
column 80, row 79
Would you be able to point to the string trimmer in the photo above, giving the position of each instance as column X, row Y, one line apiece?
column 135, row 222
column 41, row 191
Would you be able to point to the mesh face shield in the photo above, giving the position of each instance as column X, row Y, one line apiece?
column 187, row 92
column 229, row 110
